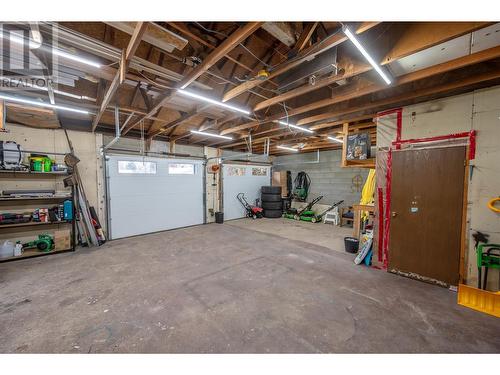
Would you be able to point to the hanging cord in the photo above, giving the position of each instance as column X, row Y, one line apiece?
column 287, row 121
column 142, row 149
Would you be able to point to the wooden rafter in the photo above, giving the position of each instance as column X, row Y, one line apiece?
column 361, row 88
column 418, row 36
column 183, row 29
column 305, row 36
column 325, row 44
column 227, row 45
column 129, row 52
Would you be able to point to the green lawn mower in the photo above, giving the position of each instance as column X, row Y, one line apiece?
column 292, row 213
column 314, row 217
column 44, row 243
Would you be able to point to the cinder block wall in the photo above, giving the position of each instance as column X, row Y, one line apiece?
column 327, row 177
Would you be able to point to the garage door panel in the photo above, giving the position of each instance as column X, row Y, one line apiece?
column 150, row 202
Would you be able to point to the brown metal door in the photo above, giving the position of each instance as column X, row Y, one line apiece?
column 426, row 218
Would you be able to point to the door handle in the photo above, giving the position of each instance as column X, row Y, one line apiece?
column 394, row 214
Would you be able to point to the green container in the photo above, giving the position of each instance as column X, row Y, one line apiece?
column 47, row 165
column 37, row 164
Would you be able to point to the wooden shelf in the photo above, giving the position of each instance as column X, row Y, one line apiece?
column 34, row 198
column 32, row 253
column 33, row 223
column 13, row 231
column 368, row 163
column 33, row 173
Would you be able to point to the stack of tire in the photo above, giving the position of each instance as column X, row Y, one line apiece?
column 271, row 201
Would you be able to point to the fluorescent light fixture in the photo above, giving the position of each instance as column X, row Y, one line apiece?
column 361, row 49
column 296, row 127
column 41, row 104
column 212, row 101
column 335, row 139
column 211, row 134
column 288, row 148
column 18, row 40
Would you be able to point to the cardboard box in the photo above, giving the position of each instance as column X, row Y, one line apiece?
column 62, row 239
column 279, row 179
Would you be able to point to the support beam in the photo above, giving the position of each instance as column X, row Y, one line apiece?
column 171, row 125
column 227, row 45
column 2, row 116
column 365, row 88
column 184, row 30
column 422, row 35
column 305, row 36
column 155, row 35
column 281, row 31
column 120, row 74
column 309, row 88
column 412, row 95
column 418, row 36
column 304, row 55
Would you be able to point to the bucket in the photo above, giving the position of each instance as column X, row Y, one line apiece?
column 351, row 245
column 7, row 249
column 37, row 164
column 219, row 217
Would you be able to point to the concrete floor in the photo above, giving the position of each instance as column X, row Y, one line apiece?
column 226, row 289
column 326, row 235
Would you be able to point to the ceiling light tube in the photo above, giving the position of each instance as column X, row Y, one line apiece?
column 50, row 49
column 210, row 134
column 42, row 104
column 288, row 148
column 361, row 49
column 212, row 101
column 296, row 127
column 335, row 139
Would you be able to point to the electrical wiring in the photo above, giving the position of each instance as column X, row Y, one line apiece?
column 156, row 83
column 241, row 44
column 288, row 122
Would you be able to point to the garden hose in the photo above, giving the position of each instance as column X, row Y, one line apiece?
column 491, row 205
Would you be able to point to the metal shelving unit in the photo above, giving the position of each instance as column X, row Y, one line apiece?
column 31, row 253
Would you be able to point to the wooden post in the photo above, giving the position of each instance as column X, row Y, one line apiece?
column 2, row 115
column 464, row 243
column 345, row 132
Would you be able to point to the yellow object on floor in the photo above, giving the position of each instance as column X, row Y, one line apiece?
column 368, row 193
column 480, row 300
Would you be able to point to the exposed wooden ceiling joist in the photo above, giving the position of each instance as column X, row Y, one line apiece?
column 133, row 44
column 227, row 45
column 317, row 48
column 361, row 89
column 155, row 35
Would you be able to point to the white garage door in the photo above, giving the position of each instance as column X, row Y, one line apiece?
column 246, row 179
column 152, row 194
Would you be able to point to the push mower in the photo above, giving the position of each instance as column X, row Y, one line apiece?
column 314, row 217
column 292, row 213
column 252, row 211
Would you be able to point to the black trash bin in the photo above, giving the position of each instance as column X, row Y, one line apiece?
column 351, row 245
column 219, row 217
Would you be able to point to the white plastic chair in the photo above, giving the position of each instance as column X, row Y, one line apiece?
column 332, row 216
